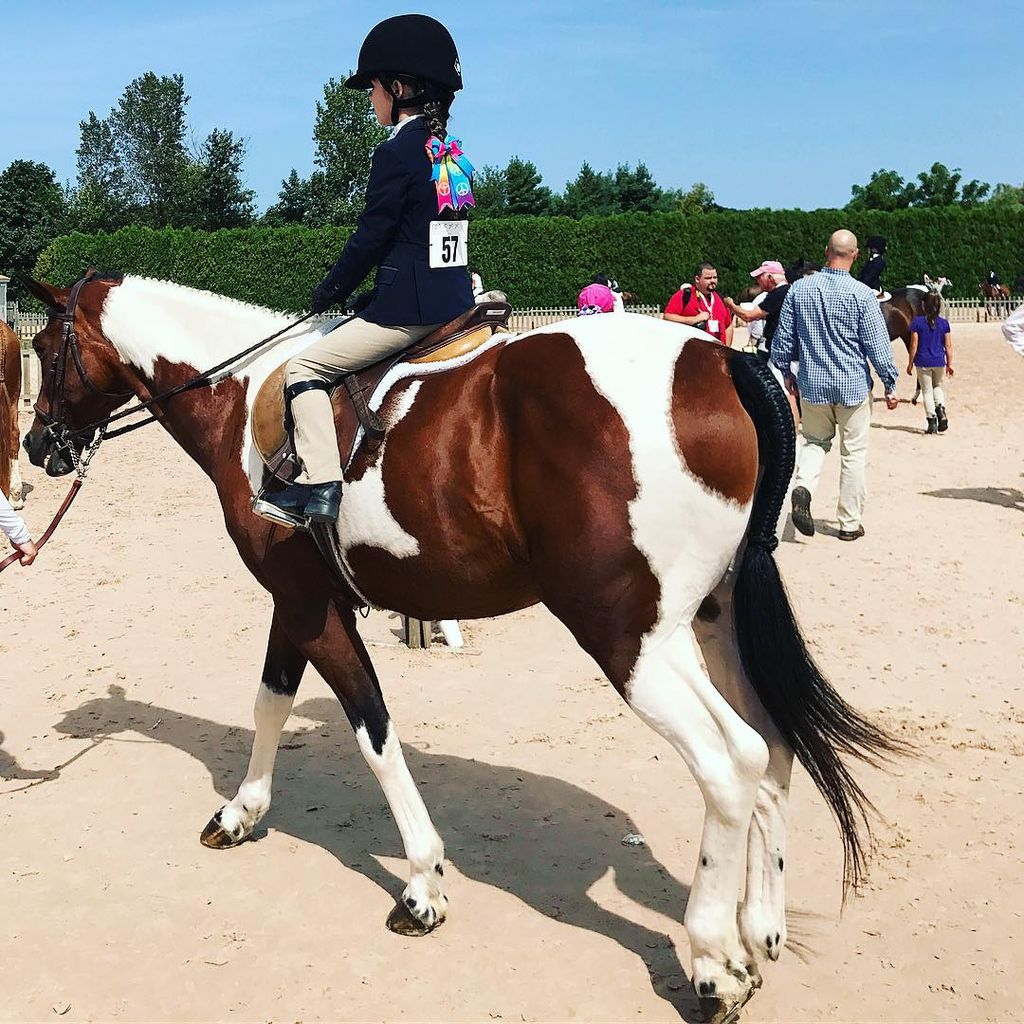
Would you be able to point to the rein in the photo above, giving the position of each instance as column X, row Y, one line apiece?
column 63, row 436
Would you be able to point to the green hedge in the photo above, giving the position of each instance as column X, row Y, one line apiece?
column 544, row 261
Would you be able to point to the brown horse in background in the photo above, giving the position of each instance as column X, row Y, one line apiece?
column 10, row 396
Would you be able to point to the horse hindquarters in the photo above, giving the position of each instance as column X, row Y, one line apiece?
column 648, row 491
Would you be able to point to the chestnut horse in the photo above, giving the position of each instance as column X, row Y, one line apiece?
column 622, row 470
column 10, row 399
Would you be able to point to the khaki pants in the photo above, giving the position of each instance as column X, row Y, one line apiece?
column 930, row 378
column 820, row 423
column 350, row 346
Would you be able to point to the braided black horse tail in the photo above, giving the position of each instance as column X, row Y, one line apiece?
column 811, row 716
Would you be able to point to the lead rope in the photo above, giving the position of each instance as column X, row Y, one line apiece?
column 81, row 470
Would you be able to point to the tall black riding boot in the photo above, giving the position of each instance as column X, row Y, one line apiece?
column 940, row 415
column 933, row 425
column 324, row 502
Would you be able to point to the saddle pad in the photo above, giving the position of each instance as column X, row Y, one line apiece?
column 267, row 418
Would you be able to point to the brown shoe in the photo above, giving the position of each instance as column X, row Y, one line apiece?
column 851, row 534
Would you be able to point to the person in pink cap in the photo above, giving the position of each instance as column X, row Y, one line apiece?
column 771, row 279
column 595, row 298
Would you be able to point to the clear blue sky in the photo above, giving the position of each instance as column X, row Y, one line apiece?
column 782, row 105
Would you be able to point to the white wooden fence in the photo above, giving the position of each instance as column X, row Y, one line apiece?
column 528, row 319
column 955, row 310
column 979, row 310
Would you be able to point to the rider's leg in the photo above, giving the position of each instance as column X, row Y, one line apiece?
column 355, row 344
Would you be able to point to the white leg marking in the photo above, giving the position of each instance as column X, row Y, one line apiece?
column 424, row 895
column 762, row 918
column 763, row 912
column 670, row 691
column 252, row 801
column 451, row 632
column 17, row 498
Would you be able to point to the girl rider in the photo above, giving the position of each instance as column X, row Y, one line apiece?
column 411, row 69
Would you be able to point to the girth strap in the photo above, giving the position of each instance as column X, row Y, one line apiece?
column 373, row 425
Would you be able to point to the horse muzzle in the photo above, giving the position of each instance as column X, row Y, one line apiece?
column 44, row 449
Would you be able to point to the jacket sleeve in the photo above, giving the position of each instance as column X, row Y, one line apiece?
column 871, row 272
column 376, row 228
column 784, row 339
column 12, row 524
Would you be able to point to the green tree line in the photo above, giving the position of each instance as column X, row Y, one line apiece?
column 137, row 167
column 652, row 254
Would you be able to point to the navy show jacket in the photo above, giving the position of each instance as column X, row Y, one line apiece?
column 393, row 235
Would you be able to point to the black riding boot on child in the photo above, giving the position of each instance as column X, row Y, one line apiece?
column 933, row 425
column 940, row 415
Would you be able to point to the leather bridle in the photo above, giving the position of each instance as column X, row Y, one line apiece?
column 79, row 445
column 61, row 435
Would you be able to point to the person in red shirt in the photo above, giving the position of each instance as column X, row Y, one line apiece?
column 700, row 305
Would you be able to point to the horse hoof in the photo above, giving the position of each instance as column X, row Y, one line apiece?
column 402, row 922
column 717, row 1011
column 217, row 838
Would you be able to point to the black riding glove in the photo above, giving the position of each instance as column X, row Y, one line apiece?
column 323, row 297
column 357, row 303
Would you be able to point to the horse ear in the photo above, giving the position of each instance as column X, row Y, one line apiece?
column 44, row 292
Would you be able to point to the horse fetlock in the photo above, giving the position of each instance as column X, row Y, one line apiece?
column 425, row 899
column 762, row 930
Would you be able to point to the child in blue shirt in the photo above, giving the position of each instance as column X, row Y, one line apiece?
column 931, row 353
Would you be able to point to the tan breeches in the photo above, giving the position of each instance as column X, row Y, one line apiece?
column 350, row 346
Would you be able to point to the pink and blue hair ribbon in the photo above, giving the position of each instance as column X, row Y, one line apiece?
column 451, row 173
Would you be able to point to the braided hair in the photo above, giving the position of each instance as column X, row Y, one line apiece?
column 432, row 100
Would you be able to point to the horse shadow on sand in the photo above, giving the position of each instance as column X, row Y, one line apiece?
column 543, row 840
column 1006, row 497
column 11, row 770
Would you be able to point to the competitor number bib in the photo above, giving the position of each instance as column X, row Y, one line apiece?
column 448, row 240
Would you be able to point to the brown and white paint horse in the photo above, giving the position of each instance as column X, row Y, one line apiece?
column 622, row 470
column 10, row 399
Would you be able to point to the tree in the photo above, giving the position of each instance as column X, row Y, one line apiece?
column 490, row 192
column 637, row 191
column 698, row 199
column 134, row 166
column 220, row 199
column 346, row 133
column 148, row 128
column 1008, row 196
column 591, row 194
column 293, row 204
column 101, row 202
column 941, row 187
column 885, row 191
column 33, row 211
column 525, row 195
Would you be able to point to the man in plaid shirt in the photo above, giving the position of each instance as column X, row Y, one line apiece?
column 833, row 324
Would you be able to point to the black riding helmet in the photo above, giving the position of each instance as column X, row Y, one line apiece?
column 409, row 44
column 876, row 243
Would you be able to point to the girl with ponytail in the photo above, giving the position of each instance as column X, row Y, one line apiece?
column 413, row 233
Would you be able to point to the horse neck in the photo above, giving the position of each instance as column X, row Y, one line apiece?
column 167, row 335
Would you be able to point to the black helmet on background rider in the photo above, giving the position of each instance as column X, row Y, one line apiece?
column 876, row 243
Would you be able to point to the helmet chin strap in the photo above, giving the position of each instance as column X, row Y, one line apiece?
column 398, row 104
